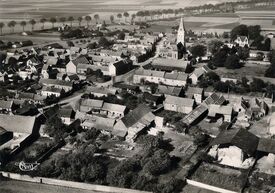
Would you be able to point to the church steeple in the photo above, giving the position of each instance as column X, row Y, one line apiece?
column 181, row 33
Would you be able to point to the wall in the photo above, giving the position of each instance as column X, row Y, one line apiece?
column 208, row 187
column 69, row 184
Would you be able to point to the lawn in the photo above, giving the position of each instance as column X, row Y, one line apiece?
column 248, row 71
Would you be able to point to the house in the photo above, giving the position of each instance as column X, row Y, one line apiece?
column 152, row 100
column 66, row 115
column 170, row 90
column 197, row 75
column 120, row 67
column 101, row 91
column 216, row 111
column 71, row 67
column 134, row 122
column 258, row 108
column 87, row 105
column 101, row 123
column 195, row 93
column 6, row 106
column 235, row 148
column 61, row 84
column 51, row 90
column 159, row 77
column 133, row 89
column 178, row 104
column 242, row 41
column 113, row 110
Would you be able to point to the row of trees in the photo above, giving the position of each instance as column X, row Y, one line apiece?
column 51, row 20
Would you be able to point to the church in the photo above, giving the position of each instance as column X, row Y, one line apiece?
column 174, row 47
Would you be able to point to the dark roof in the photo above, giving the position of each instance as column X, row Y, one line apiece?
column 266, row 145
column 241, row 138
column 81, row 60
column 149, row 97
column 135, row 115
column 68, row 113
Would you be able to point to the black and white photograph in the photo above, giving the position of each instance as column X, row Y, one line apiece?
column 137, row 96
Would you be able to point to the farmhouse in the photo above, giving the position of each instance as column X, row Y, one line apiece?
column 134, row 122
column 178, row 104
column 242, row 41
column 196, row 75
column 234, row 147
column 159, row 77
column 113, row 110
column 216, row 111
column 195, row 93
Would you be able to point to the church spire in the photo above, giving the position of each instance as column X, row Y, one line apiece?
column 181, row 33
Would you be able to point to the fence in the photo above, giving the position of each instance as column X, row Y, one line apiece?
column 69, row 184
column 208, row 187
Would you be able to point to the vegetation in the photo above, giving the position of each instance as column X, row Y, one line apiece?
column 198, row 51
column 270, row 72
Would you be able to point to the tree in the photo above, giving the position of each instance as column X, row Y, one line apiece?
column 23, row 24
column 43, row 20
column 104, row 42
column 88, row 19
column 71, row 19
column 133, row 16
column 119, row 16
column 96, row 17
column 254, row 31
column 158, row 164
column 257, row 85
column 241, row 30
column 214, row 46
column 198, row 51
column 53, row 21
column 220, row 57
column 121, row 35
column 79, row 19
column 232, row 62
column 62, row 20
column 112, row 18
column 2, row 25
column 11, row 25
column 243, row 52
column 32, row 22
column 126, row 15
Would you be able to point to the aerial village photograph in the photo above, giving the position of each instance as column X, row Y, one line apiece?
column 137, row 96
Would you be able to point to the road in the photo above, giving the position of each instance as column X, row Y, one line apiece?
column 13, row 186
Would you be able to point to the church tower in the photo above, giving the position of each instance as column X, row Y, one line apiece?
column 181, row 33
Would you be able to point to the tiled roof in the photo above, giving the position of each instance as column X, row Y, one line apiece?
column 241, row 138
column 136, row 115
column 92, row 103
column 17, row 123
column 113, row 107
column 179, row 101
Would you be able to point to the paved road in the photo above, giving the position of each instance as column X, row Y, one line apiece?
column 13, row 186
